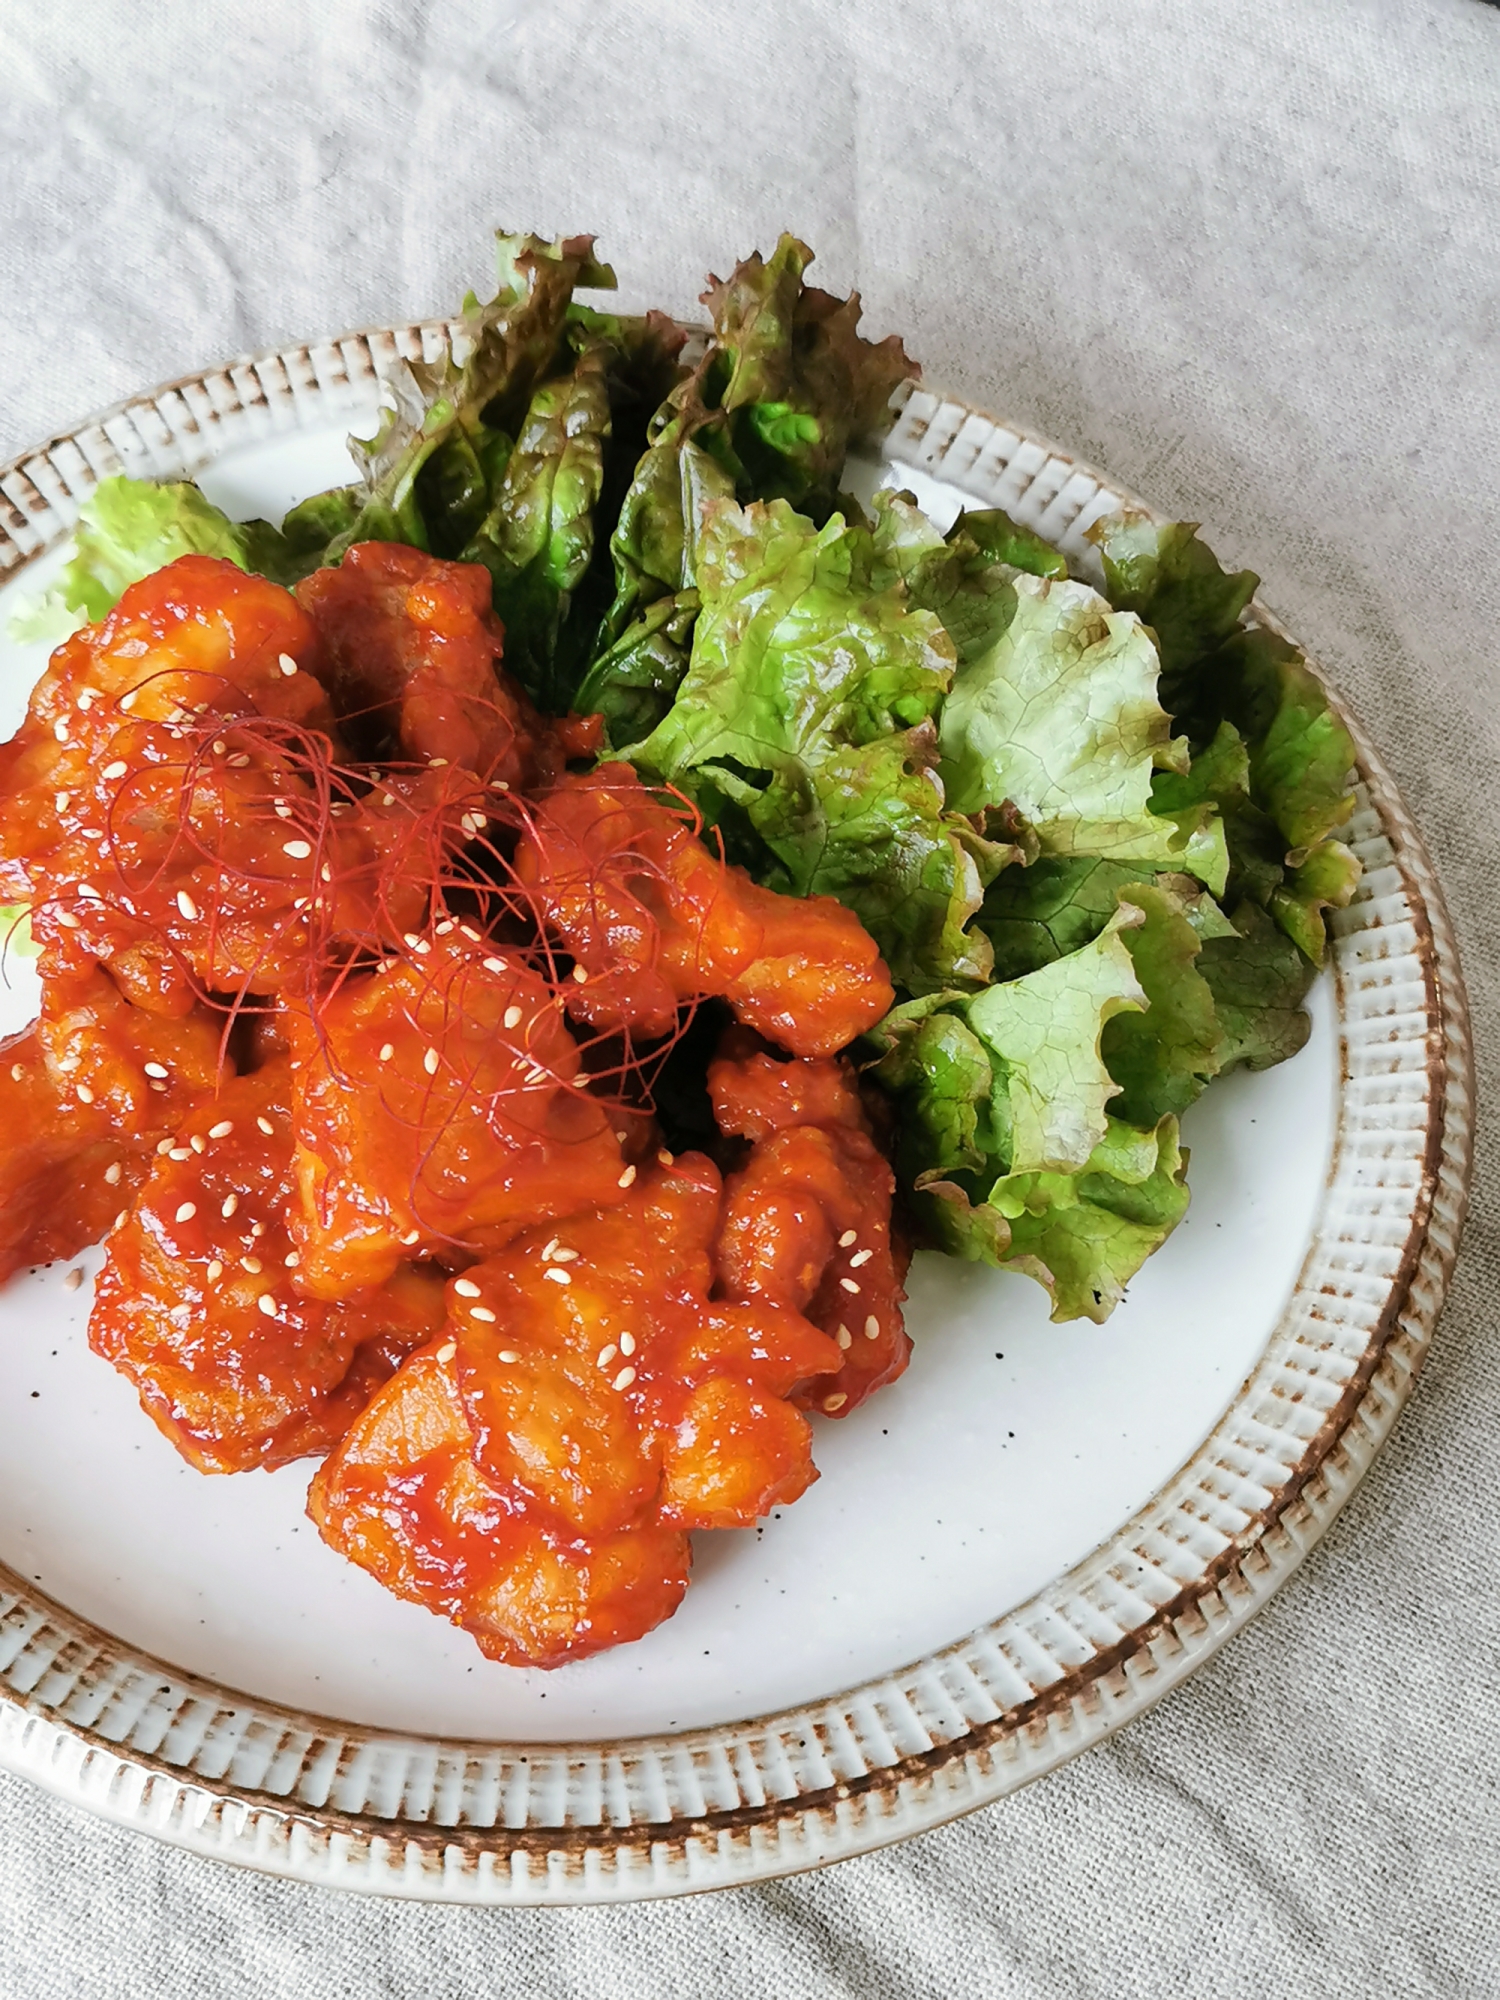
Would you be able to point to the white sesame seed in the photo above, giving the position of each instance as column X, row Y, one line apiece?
column 626, row 1178
column 860, row 1257
column 325, row 873
column 187, row 1211
column 298, row 849
column 231, row 1203
column 494, row 965
column 512, row 1017
column 267, row 1304
column 89, row 893
column 65, row 799
column 388, row 800
column 68, row 921
column 466, row 1288
column 580, row 975
column 624, row 1379
column 60, row 730
column 155, row 1085
column 164, row 1146
column 872, row 1328
column 288, row 665
column 292, row 1259
column 627, row 1344
column 85, row 699
column 472, row 935
column 387, row 1050
column 482, row 1313
column 215, row 1271
column 265, row 1125
column 548, row 1247
column 844, row 1337
column 506, row 1354
column 412, row 1236
column 239, row 762
column 187, row 906
column 112, row 1174
column 499, row 785
column 122, row 1218
column 128, row 701
column 222, row 1130
column 85, row 1095
column 421, row 947
column 257, row 1229
column 664, row 1158
column 565, row 1256
column 17, row 1071
column 848, row 1237
column 447, row 1351
column 198, row 1143
column 850, row 1286
column 442, row 929
column 837, row 1402
column 436, row 763
column 154, row 1069
column 607, row 1354
column 74, row 1278
column 430, row 1062
column 115, row 770
column 283, row 810
column 557, row 1275
column 253, row 1265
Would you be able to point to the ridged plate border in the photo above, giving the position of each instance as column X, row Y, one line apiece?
column 214, row 1770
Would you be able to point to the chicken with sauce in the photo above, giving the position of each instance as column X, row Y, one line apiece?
column 344, row 971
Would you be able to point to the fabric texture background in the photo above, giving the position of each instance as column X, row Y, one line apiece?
column 1243, row 257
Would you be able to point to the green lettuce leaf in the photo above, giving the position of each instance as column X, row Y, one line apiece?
column 1259, row 980
column 964, row 576
column 1048, row 1108
column 1164, row 1058
column 537, row 535
column 1325, row 880
column 1059, row 716
column 129, row 528
column 784, row 387
column 1084, row 1236
column 1004, row 1147
column 804, row 726
column 1214, row 670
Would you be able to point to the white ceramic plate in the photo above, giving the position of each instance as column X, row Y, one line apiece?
column 1013, row 1550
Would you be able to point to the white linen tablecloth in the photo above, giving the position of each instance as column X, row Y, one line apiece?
column 1244, row 257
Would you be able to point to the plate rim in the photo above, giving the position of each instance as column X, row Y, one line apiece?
column 115, row 1770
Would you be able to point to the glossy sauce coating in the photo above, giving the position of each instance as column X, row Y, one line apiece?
column 84, row 1097
column 200, row 1301
column 173, row 805
column 605, row 1395
column 437, row 1109
column 808, row 1216
column 620, row 877
column 412, row 648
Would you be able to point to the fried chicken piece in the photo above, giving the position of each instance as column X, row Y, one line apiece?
column 403, row 1498
column 807, row 1218
column 199, row 1305
column 438, row 1109
column 413, row 650
column 84, row 1097
column 592, row 1402
column 620, row 878
column 172, row 807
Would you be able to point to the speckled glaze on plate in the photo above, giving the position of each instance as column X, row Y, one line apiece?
column 1021, row 1546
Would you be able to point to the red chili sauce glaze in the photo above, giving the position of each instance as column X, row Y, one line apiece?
column 343, row 973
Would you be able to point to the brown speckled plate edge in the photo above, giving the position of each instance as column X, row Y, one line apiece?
column 224, row 1774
